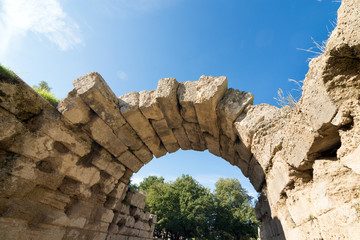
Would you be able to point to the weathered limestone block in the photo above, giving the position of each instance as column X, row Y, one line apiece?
column 167, row 99
column 103, row 135
column 27, row 169
column 129, row 137
column 243, row 165
column 252, row 119
column 74, row 109
column 35, row 146
column 149, row 105
column 256, row 174
column 127, row 175
column 151, row 110
column 13, row 228
column 227, row 149
column 278, row 177
column 182, row 138
column 69, row 167
column 330, row 179
column 212, row 144
column 187, row 94
column 15, row 96
column 129, row 107
column 195, row 136
column 307, row 230
column 166, row 135
column 267, row 141
column 75, row 188
column 299, row 204
column 322, row 109
column 95, row 92
column 9, row 125
column 352, row 160
column 14, row 187
column 230, row 107
column 130, row 161
column 136, row 199
column 49, row 197
column 49, row 123
column 143, row 154
column 210, row 90
column 106, row 183
column 104, row 161
column 344, row 40
column 341, row 223
column 244, row 153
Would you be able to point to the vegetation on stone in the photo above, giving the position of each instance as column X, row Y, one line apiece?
column 186, row 209
column 44, row 90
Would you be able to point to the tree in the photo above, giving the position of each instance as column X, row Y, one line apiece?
column 146, row 183
column 235, row 218
column 184, row 208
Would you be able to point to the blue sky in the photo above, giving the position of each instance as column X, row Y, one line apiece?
column 134, row 43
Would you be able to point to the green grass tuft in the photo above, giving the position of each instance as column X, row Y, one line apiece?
column 47, row 95
column 7, row 72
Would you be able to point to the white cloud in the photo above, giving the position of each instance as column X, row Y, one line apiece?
column 43, row 17
column 122, row 75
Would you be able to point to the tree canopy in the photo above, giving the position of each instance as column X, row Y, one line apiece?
column 186, row 209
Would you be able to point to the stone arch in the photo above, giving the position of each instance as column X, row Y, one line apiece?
column 64, row 171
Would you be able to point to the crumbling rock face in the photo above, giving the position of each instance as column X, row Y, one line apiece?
column 64, row 172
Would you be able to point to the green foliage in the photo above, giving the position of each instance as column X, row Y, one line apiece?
column 7, row 72
column 145, row 185
column 187, row 209
column 236, row 216
column 44, row 90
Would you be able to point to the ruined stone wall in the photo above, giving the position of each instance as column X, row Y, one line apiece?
column 64, row 171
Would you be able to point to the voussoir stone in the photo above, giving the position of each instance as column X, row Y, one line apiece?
column 151, row 110
column 187, row 94
column 210, row 90
column 95, row 92
column 129, row 107
column 130, row 161
column 230, row 107
column 195, row 136
column 74, row 109
column 167, row 99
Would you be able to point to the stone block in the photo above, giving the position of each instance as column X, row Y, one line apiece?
column 49, row 123
column 166, row 135
column 230, row 107
column 256, row 174
column 299, row 204
column 195, row 136
column 129, row 137
column 15, row 96
column 95, row 92
column 130, row 161
column 210, row 90
column 182, row 138
column 149, row 105
column 227, row 150
column 187, row 94
column 119, row 191
column 9, row 125
column 74, row 109
column 135, row 199
column 167, row 98
column 244, row 153
column 49, row 197
column 144, row 154
column 86, row 175
column 212, row 144
column 104, row 135
column 104, row 161
column 252, row 119
column 129, row 107
column 34, row 146
column 277, row 179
